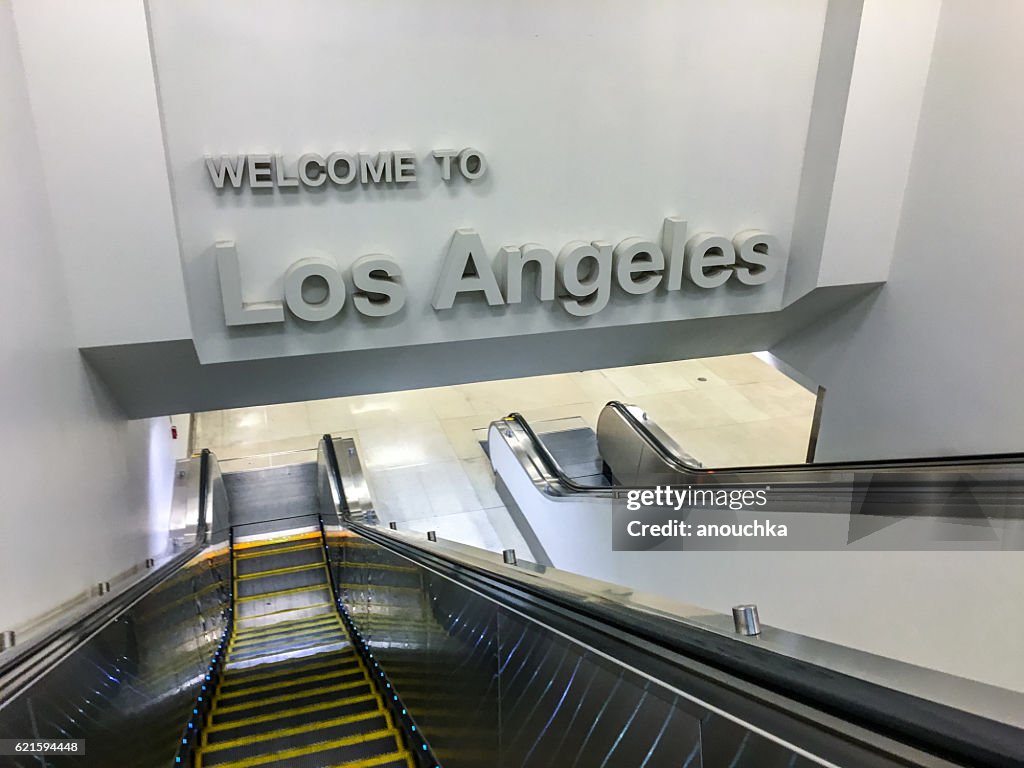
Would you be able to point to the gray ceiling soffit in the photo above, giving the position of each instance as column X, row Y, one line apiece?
column 160, row 378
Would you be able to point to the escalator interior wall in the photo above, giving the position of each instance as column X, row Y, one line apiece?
column 490, row 687
column 128, row 690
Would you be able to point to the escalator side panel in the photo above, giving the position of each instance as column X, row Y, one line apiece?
column 564, row 705
column 440, row 654
column 134, row 682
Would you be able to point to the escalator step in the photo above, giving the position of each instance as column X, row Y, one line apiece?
column 366, row 702
column 280, row 643
column 294, row 651
column 275, row 605
column 269, row 619
column 282, row 687
column 282, row 570
column 393, row 760
column 278, row 582
column 351, row 750
column 285, row 669
column 314, row 624
column 304, row 735
column 266, row 596
column 247, row 549
column 242, row 639
column 281, row 558
column 232, row 713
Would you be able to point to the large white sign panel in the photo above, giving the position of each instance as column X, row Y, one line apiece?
column 475, row 170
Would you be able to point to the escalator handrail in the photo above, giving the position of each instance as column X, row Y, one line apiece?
column 557, row 474
column 677, row 462
column 27, row 664
column 912, row 720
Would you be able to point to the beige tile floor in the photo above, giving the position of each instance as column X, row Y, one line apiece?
column 421, row 448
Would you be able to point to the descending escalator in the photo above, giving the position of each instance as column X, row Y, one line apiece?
column 293, row 689
column 320, row 639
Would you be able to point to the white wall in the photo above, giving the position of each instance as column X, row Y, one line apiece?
column 932, row 364
column 941, row 610
column 894, row 49
column 91, row 86
column 597, row 121
column 86, row 494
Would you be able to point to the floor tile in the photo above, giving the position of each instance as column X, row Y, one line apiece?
column 741, row 369
column 412, row 444
column 334, row 415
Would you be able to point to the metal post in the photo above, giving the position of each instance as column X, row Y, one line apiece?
column 393, row 526
column 509, row 556
column 432, row 535
column 746, row 620
column 7, row 640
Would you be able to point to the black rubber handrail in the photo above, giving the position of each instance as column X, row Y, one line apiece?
column 722, row 475
column 867, row 464
column 27, row 664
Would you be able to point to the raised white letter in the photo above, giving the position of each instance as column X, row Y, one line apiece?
column 515, row 261
column 375, row 168
column 236, row 311
column 709, row 250
column 233, row 166
column 590, row 293
column 379, row 292
column 758, row 255
column 642, row 258
column 314, row 302
column 466, row 270
column 260, row 176
column 445, row 157
column 673, row 243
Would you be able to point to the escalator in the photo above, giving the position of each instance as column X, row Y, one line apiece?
column 293, row 688
column 629, row 449
column 314, row 637
column 550, row 477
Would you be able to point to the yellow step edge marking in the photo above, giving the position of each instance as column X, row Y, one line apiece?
column 246, row 656
column 278, row 551
column 322, row 746
column 313, row 626
column 281, row 593
column 283, row 610
column 279, row 540
column 279, row 625
column 274, row 630
column 281, row 571
column 343, row 672
column 380, row 566
column 295, row 730
column 297, row 634
column 378, row 586
column 369, row 762
column 216, row 709
column 242, row 683
column 275, row 668
column 309, row 709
